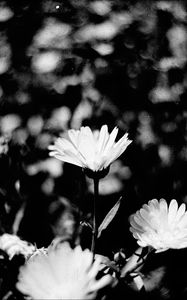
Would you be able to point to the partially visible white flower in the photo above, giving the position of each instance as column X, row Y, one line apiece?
column 13, row 245
column 64, row 273
column 90, row 150
column 160, row 225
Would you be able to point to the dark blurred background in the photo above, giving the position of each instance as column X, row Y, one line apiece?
column 66, row 64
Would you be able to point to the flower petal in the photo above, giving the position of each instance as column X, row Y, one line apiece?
column 103, row 138
column 172, row 212
column 111, row 141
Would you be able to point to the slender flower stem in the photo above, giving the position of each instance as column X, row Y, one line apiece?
column 94, row 231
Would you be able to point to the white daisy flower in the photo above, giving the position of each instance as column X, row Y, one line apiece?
column 62, row 273
column 90, row 150
column 160, row 225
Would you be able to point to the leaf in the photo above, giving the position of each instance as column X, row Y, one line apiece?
column 109, row 217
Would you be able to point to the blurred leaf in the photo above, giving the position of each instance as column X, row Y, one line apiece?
column 109, row 217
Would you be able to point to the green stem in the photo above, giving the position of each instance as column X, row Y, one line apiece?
column 94, row 231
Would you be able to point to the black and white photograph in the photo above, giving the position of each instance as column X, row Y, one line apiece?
column 93, row 149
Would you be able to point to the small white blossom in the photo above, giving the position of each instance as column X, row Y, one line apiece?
column 63, row 273
column 160, row 225
column 90, row 150
column 13, row 245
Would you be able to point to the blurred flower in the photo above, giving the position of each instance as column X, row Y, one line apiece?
column 5, row 13
column 83, row 110
column 46, row 62
column 19, row 136
column 101, row 8
column 53, row 34
column 8, row 123
column 177, row 40
column 122, row 18
column 179, row 10
column 164, row 5
column 60, row 85
column 161, row 94
column 52, row 166
column 166, row 154
column 43, row 140
column 87, row 75
column 90, row 150
column 108, row 185
column 22, row 97
column 103, row 31
column 146, row 135
column 167, row 63
column 63, row 273
column 160, row 225
column 59, row 118
column 13, row 245
column 5, row 54
column 104, row 48
column 35, row 124
column 174, row 7
column 47, row 187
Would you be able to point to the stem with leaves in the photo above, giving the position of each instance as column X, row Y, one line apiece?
column 94, row 230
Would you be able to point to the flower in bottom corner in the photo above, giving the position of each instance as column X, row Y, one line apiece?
column 62, row 273
column 160, row 226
